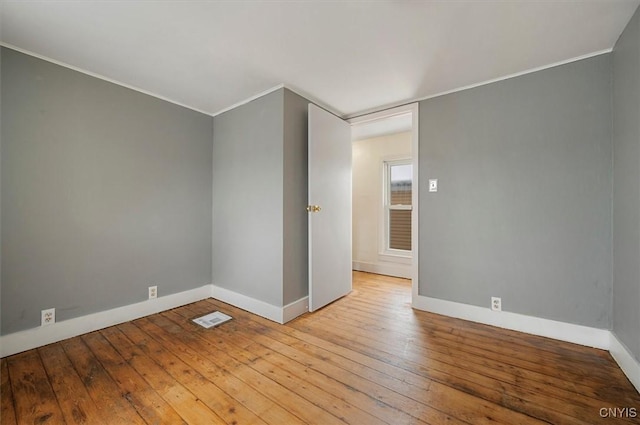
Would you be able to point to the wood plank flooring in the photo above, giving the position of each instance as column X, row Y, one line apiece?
column 366, row 359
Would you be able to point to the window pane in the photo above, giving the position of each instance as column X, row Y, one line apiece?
column 400, row 193
column 400, row 229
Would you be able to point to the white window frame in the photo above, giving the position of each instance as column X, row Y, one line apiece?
column 386, row 253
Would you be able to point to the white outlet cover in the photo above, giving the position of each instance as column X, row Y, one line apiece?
column 153, row 292
column 433, row 185
column 496, row 304
column 48, row 317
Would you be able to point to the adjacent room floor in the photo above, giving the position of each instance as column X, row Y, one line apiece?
column 366, row 359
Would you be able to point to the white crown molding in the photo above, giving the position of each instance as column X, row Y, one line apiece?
column 479, row 84
column 521, row 73
column 314, row 100
column 302, row 93
column 37, row 337
column 166, row 99
column 308, row 97
column 249, row 99
column 100, row 77
column 577, row 334
column 627, row 362
column 119, row 83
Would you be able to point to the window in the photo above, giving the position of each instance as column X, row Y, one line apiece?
column 397, row 206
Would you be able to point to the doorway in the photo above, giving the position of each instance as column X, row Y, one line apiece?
column 385, row 193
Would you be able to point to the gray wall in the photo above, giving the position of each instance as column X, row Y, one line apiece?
column 260, row 194
column 523, row 208
column 626, row 187
column 296, row 221
column 248, row 193
column 105, row 191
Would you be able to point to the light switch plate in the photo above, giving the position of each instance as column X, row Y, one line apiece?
column 433, row 185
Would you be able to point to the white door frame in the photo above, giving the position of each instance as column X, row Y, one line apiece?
column 413, row 109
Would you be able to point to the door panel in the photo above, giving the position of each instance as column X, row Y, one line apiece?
column 330, row 224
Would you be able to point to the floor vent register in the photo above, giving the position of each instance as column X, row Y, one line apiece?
column 212, row 320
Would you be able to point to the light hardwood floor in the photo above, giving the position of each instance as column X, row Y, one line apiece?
column 366, row 359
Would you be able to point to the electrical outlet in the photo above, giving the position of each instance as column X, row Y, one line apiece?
column 153, row 292
column 48, row 317
column 496, row 304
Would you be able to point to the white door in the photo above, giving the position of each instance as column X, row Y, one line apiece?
column 329, row 208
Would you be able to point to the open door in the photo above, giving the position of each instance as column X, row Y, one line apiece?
column 329, row 208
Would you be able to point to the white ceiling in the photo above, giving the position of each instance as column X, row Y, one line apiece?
column 350, row 56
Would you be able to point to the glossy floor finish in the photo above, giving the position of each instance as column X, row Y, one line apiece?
column 365, row 359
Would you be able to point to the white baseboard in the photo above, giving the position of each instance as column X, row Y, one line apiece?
column 577, row 334
column 268, row 311
column 43, row 335
column 245, row 302
column 37, row 337
column 397, row 270
column 295, row 309
column 627, row 362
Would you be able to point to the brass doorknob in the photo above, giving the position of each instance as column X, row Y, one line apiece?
column 313, row 208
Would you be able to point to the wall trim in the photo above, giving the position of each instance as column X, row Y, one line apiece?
column 100, row 77
column 252, row 305
column 248, row 100
column 313, row 99
column 348, row 117
column 577, row 334
column 268, row 311
column 396, row 270
column 479, row 84
column 138, row 89
column 37, row 337
column 627, row 362
column 295, row 309
column 599, row 338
